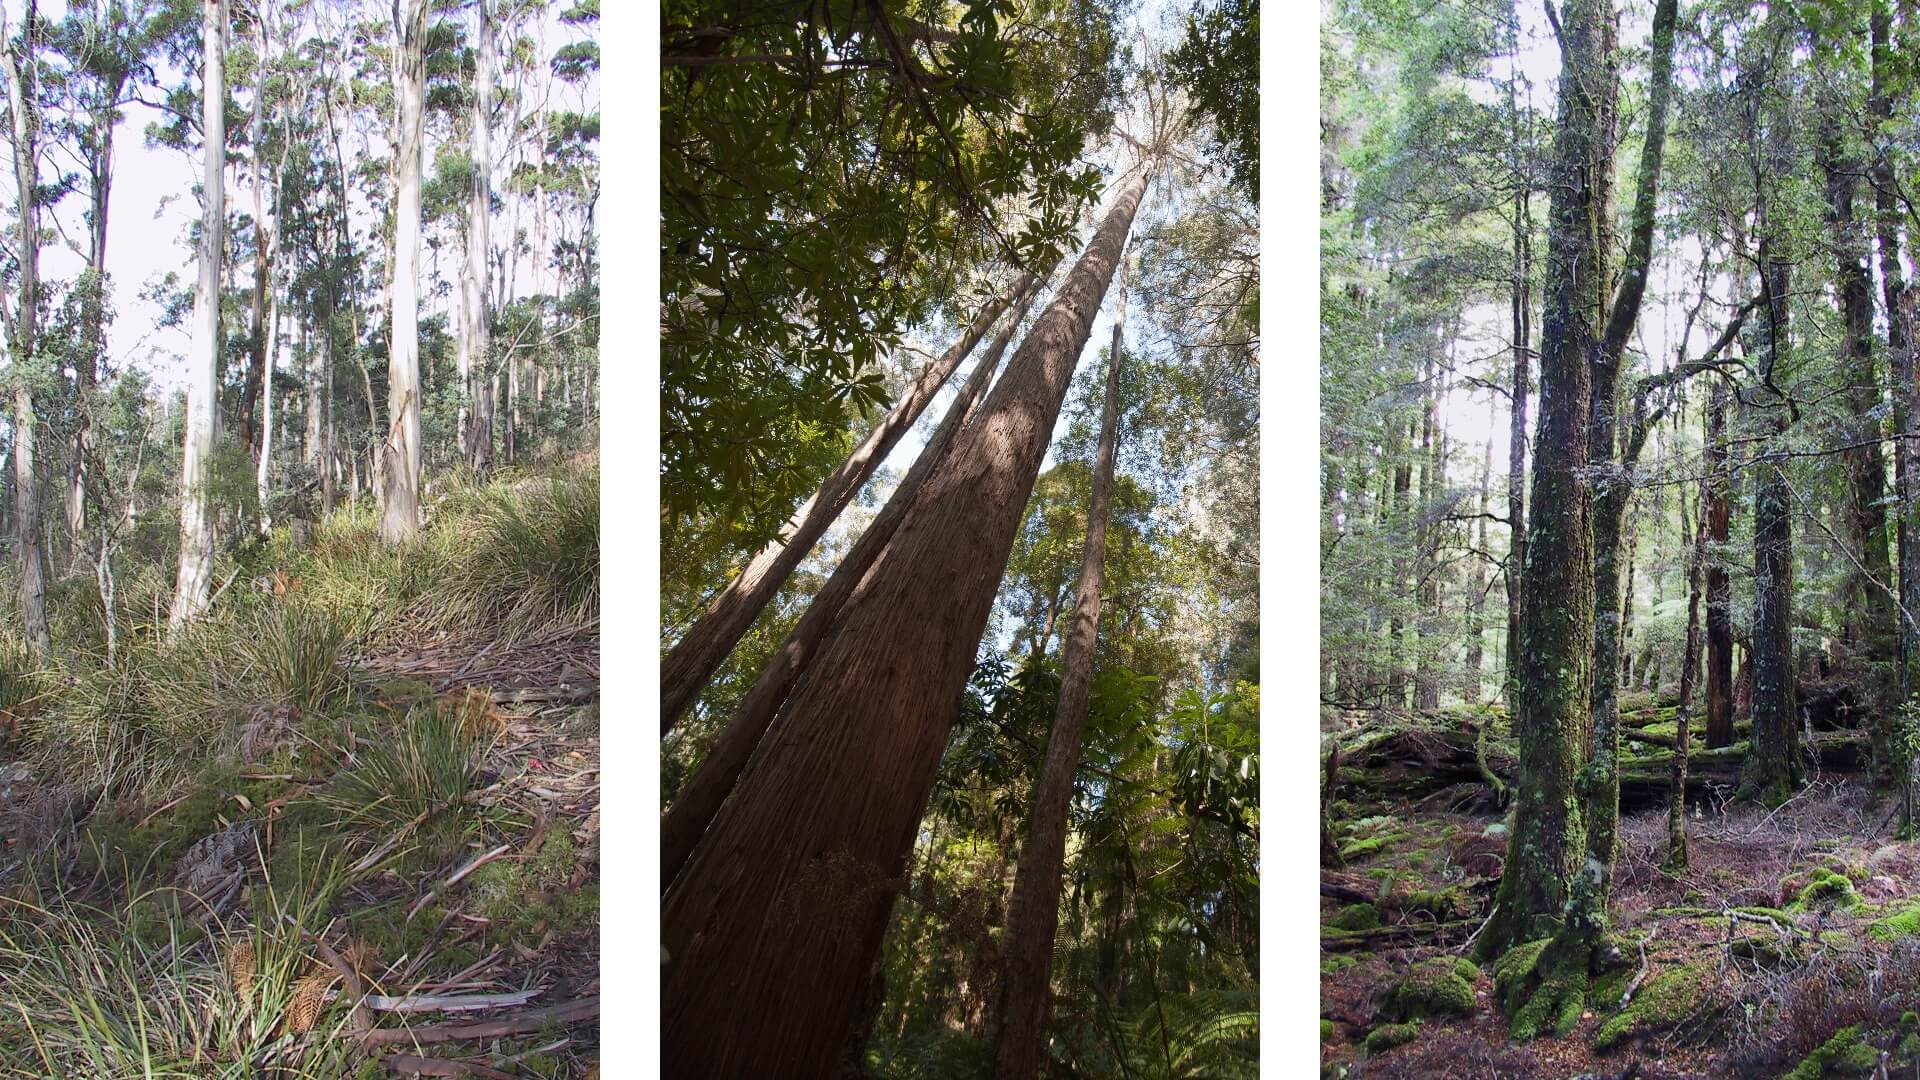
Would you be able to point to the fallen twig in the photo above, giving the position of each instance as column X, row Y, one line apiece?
column 409, row 1064
column 567, row 1012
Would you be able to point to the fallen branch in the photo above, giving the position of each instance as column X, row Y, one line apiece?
column 1360, row 939
column 447, row 1002
column 567, row 1012
column 1641, row 976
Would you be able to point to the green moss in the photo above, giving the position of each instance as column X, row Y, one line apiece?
column 1903, row 923
column 1432, row 988
column 1517, row 963
column 1326, row 1030
column 1372, row 845
column 1356, row 917
column 1466, row 969
column 515, row 895
column 1334, row 965
column 1847, row 1053
column 1666, row 999
column 1767, row 950
column 1823, row 889
column 1388, row 1036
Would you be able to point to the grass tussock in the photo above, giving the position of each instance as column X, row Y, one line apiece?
column 412, row 781
column 89, row 995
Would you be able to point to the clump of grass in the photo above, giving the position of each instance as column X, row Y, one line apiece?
column 88, row 994
column 413, row 779
column 529, row 554
column 293, row 654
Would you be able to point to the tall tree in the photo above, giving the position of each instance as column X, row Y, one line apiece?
column 1717, row 512
column 700, row 797
column 194, row 579
column 1552, row 707
column 400, row 496
column 475, row 320
column 17, row 54
column 1033, row 911
column 706, row 644
column 790, row 886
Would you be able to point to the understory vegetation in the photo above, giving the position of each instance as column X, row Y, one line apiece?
column 359, row 788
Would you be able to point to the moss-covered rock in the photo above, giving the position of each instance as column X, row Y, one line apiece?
column 1902, row 923
column 1466, row 969
column 1666, row 999
column 1823, row 888
column 1355, row 917
column 1326, row 1030
column 1388, row 1036
column 1847, row 1053
column 1768, row 950
column 1432, row 988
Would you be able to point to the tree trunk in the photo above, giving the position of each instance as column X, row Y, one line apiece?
column 1901, row 340
column 775, row 919
column 195, row 576
column 1517, row 436
column 1426, row 681
column 21, row 70
column 1033, row 911
column 1683, row 722
column 1396, row 625
column 1613, row 494
column 707, row 643
column 400, row 499
column 1477, row 594
column 1773, row 760
column 475, row 327
column 702, row 795
column 1719, row 587
column 1554, row 665
column 1871, row 626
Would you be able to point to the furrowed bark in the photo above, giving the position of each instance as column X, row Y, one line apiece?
column 1033, row 911
column 772, row 927
column 1717, row 512
column 1683, row 723
column 708, row 642
column 693, row 808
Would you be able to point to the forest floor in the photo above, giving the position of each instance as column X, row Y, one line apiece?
column 400, row 878
column 1787, row 947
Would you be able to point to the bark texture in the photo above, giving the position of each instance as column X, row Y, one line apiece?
column 31, row 546
column 772, row 927
column 1717, row 511
column 475, row 324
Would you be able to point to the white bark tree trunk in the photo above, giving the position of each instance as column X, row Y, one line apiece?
column 400, row 502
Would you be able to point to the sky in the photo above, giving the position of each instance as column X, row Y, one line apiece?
column 152, row 208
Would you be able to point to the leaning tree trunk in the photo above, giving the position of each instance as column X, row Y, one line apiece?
column 708, row 642
column 1033, row 910
column 1517, row 434
column 1554, row 665
column 704, row 792
column 772, row 927
column 195, row 577
column 400, row 443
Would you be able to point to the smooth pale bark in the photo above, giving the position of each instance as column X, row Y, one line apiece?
column 1426, row 682
column 25, row 333
column 194, row 578
column 1613, row 493
column 704, row 792
column 98, row 154
column 475, row 327
column 772, row 928
column 400, row 480
column 1718, row 514
column 263, row 469
column 1033, row 910
column 711, row 639
column 1477, row 589
column 1553, row 666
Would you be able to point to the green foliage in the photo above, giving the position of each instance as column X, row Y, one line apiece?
column 415, row 777
column 1218, row 62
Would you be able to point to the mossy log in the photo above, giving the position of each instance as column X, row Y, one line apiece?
column 1416, row 763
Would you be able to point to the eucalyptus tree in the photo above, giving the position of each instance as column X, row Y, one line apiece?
column 194, row 580
column 19, row 61
column 401, row 451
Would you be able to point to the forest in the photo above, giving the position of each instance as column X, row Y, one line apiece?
column 1620, row 539
column 299, row 597
column 959, row 605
